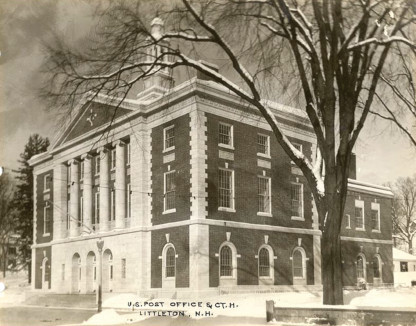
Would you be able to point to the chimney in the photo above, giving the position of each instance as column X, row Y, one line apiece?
column 352, row 172
column 202, row 76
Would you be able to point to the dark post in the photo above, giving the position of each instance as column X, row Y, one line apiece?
column 100, row 245
column 269, row 310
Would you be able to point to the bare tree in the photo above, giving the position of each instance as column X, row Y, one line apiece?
column 334, row 51
column 404, row 210
column 7, row 224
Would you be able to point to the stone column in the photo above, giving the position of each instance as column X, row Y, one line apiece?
column 74, row 208
column 120, row 184
column 104, row 188
column 60, row 194
column 87, row 194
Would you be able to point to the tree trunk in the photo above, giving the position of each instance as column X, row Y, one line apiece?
column 411, row 246
column 331, row 252
column 4, row 262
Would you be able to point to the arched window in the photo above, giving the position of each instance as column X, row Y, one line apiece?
column 226, row 261
column 377, row 266
column 170, row 262
column 360, row 267
column 264, row 262
column 298, row 264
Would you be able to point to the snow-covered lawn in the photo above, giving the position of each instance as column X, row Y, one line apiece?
column 14, row 287
column 244, row 305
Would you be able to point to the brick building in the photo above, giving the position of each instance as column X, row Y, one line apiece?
column 191, row 193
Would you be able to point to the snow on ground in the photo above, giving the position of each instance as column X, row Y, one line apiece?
column 245, row 305
column 16, row 284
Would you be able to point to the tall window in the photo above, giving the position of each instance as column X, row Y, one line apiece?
column 97, row 208
column 123, row 268
column 170, row 262
column 63, row 272
column 81, row 211
column 68, row 215
column 97, row 164
column 169, row 138
column 226, row 261
column 298, row 147
column 47, row 218
column 263, row 144
column 264, row 195
column 128, row 153
column 264, row 262
column 297, row 200
column 113, row 205
column 81, row 170
column 360, row 267
column 128, row 200
column 226, row 134
column 298, row 264
column 375, row 216
column 359, row 214
column 376, row 267
column 348, row 221
column 113, row 158
column 226, row 191
column 47, row 182
column 170, row 189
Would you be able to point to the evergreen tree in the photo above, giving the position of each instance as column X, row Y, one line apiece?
column 23, row 200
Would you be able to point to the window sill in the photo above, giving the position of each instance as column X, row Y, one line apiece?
column 359, row 229
column 348, row 228
column 297, row 218
column 265, row 278
column 228, row 278
column 226, row 209
column 299, row 278
column 169, row 149
column 264, row 155
column 46, row 191
column 226, row 146
column 376, row 231
column 46, row 235
column 173, row 210
column 264, row 214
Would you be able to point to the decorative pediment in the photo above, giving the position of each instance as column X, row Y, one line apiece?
column 90, row 116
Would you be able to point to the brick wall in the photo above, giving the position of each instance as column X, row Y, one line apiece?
column 179, row 237
column 385, row 216
column 181, row 164
column 247, row 243
column 246, row 172
column 41, row 253
column 350, row 251
column 42, row 198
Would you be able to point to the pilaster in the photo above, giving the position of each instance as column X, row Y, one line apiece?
column 198, row 234
column 87, row 194
column 120, row 184
column 60, row 193
column 104, row 188
column 73, row 210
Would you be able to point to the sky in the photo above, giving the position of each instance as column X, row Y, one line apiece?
column 383, row 154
